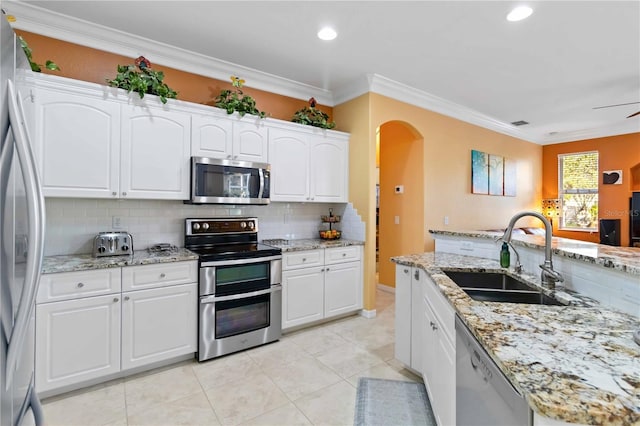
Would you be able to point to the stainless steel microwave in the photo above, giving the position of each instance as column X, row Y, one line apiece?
column 217, row 181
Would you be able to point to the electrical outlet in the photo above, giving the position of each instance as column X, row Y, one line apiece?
column 466, row 246
column 116, row 222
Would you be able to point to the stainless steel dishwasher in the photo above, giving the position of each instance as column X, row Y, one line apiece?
column 484, row 396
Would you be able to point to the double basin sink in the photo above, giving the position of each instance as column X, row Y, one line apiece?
column 497, row 287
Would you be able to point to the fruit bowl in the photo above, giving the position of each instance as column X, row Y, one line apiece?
column 330, row 219
column 330, row 235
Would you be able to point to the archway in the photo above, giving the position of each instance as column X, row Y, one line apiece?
column 401, row 195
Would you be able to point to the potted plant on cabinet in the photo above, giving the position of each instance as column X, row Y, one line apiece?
column 235, row 100
column 312, row 116
column 142, row 79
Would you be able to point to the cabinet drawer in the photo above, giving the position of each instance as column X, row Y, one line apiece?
column 302, row 259
column 74, row 285
column 159, row 275
column 341, row 254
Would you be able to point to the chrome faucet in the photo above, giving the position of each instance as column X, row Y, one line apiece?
column 548, row 276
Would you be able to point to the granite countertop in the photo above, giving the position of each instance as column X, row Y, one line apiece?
column 624, row 259
column 83, row 262
column 577, row 363
column 310, row 244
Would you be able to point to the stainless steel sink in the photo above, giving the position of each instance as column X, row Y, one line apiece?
column 496, row 287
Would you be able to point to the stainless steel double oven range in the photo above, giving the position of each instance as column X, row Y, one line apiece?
column 240, row 302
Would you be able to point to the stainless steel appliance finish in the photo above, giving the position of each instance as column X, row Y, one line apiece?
column 240, row 291
column 112, row 244
column 217, row 181
column 484, row 396
column 22, row 223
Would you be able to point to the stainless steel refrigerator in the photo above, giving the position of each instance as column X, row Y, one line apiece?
column 21, row 241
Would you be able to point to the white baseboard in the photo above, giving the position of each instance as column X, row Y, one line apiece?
column 368, row 313
column 386, row 288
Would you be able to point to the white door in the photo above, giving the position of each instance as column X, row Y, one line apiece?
column 211, row 136
column 77, row 144
column 302, row 296
column 289, row 158
column 342, row 288
column 329, row 170
column 158, row 324
column 250, row 141
column 77, row 340
column 155, row 153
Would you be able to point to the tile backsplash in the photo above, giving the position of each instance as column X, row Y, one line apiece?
column 73, row 223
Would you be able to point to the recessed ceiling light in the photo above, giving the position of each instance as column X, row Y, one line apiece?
column 327, row 33
column 519, row 13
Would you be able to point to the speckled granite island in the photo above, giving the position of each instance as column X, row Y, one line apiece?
column 86, row 262
column 575, row 363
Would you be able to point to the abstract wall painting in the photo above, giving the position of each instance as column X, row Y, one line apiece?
column 492, row 174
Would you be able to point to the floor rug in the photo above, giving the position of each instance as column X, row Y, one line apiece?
column 392, row 402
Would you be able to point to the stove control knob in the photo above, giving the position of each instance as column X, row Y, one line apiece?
column 102, row 249
column 205, row 226
column 243, row 225
column 196, row 226
column 251, row 225
column 125, row 247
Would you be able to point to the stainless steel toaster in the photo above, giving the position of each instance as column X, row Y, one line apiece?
column 112, row 244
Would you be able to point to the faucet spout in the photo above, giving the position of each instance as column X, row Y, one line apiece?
column 548, row 276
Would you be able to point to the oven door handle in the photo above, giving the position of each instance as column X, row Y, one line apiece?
column 240, row 261
column 213, row 299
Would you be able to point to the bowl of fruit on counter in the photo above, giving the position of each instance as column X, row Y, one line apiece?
column 330, row 234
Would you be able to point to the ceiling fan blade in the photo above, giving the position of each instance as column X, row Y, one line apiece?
column 615, row 105
column 634, row 114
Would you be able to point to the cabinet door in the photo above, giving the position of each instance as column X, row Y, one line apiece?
column 77, row 144
column 77, row 340
column 302, row 296
column 416, row 318
column 155, row 155
column 158, row 324
column 329, row 170
column 211, row 137
column 403, row 314
column 250, row 141
column 342, row 289
column 289, row 158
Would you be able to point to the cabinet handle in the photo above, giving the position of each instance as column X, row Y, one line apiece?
column 229, row 156
column 304, row 259
column 124, row 194
column 416, row 275
column 344, row 254
column 80, row 285
column 114, row 193
column 434, row 326
column 162, row 275
column 115, row 299
column 322, row 270
column 406, row 271
column 327, row 269
column 126, row 298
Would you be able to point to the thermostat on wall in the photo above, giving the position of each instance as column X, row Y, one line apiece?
column 399, row 189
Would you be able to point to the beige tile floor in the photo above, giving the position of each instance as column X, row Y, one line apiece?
column 308, row 377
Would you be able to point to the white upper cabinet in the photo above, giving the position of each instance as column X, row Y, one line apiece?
column 232, row 138
column 155, row 153
column 77, row 144
column 308, row 167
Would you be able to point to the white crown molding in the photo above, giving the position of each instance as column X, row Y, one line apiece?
column 36, row 20
column 33, row 19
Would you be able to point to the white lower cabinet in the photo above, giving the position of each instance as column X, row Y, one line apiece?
column 77, row 340
column 158, row 324
column 425, row 338
column 319, row 284
column 84, row 338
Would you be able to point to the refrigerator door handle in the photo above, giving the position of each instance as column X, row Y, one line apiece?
column 35, row 213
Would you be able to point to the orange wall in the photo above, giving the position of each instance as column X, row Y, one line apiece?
column 401, row 154
column 616, row 153
column 87, row 64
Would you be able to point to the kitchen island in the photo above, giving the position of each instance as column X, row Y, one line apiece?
column 575, row 363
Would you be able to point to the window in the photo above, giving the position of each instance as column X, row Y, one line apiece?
column 578, row 191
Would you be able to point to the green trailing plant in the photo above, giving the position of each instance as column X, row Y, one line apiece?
column 140, row 78
column 35, row 67
column 312, row 116
column 236, row 101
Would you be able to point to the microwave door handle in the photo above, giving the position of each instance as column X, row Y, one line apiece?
column 261, row 190
column 35, row 226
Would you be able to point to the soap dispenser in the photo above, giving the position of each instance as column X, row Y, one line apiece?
column 505, row 257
